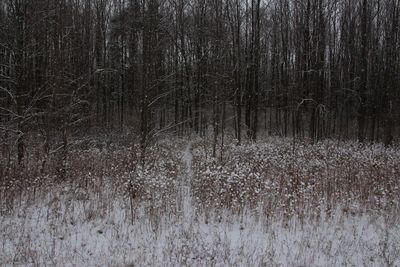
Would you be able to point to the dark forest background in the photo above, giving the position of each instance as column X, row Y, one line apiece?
column 301, row 68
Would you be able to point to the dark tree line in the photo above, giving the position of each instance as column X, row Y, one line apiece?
column 300, row 68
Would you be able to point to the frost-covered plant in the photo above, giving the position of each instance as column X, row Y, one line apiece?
column 270, row 173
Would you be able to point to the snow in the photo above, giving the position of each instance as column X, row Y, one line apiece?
column 87, row 233
column 76, row 227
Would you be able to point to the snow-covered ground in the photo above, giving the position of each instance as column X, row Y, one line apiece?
column 75, row 226
column 93, row 233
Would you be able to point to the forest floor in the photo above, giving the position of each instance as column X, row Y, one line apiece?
column 263, row 204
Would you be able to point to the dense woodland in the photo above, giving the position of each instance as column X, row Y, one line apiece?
column 301, row 68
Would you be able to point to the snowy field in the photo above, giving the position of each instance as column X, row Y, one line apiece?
column 185, row 209
column 78, row 235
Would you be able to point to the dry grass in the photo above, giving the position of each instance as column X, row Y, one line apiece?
column 262, row 205
column 357, row 177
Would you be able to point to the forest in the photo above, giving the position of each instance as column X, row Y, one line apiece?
column 199, row 132
column 307, row 69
